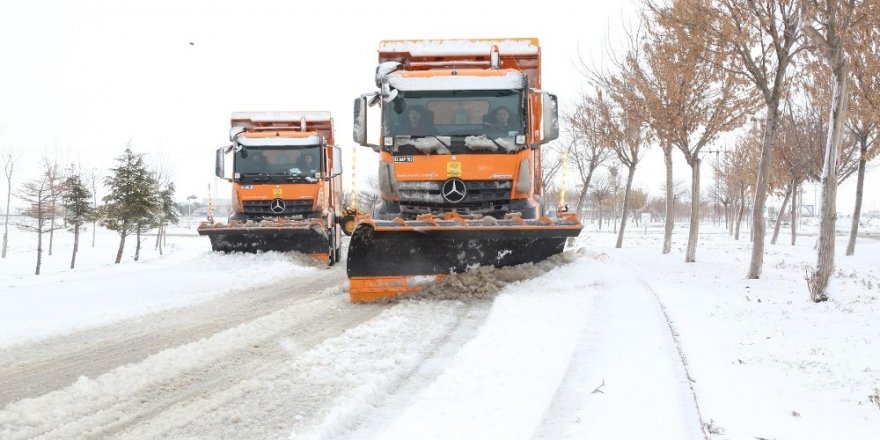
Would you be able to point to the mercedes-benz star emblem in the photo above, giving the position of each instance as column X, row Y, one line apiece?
column 277, row 206
column 454, row 190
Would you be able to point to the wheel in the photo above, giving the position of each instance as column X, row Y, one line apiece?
column 348, row 224
column 331, row 252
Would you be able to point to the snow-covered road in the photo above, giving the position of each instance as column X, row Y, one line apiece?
column 199, row 345
column 548, row 357
column 33, row 369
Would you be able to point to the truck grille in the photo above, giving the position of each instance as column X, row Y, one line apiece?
column 488, row 197
column 263, row 207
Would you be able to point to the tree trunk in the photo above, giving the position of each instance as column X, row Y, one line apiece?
column 625, row 213
column 779, row 217
column 691, row 255
column 795, row 202
column 860, row 189
column 726, row 216
column 39, row 246
column 758, row 227
column 6, row 224
column 742, row 209
column 599, row 202
column 818, row 283
column 137, row 246
column 121, row 247
column 161, row 240
column 584, row 196
column 670, row 202
column 52, row 194
column 734, row 208
column 75, row 245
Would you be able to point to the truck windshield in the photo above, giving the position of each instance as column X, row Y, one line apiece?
column 285, row 161
column 493, row 113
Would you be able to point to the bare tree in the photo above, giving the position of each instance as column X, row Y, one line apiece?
column 56, row 188
column 736, row 170
column 790, row 164
column 764, row 37
column 720, row 192
column 9, row 158
column 834, row 17
column 623, row 128
column 638, row 199
column 815, row 128
column 368, row 195
column 864, row 107
column 587, row 150
column 602, row 193
column 690, row 91
column 36, row 194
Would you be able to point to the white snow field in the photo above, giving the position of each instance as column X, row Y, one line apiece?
column 595, row 343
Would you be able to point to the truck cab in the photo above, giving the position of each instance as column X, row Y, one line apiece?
column 461, row 127
column 286, row 174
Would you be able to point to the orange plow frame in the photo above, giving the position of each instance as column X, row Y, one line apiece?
column 392, row 258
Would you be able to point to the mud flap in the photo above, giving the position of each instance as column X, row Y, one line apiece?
column 395, row 256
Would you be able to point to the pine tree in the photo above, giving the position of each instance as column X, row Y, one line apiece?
column 77, row 209
column 167, row 213
column 130, row 206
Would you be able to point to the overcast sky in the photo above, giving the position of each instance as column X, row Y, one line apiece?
column 81, row 79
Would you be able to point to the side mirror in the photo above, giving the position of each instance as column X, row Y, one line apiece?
column 235, row 131
column 550, row 118
column 219, row 163
column 359, row 127
column 337, row 161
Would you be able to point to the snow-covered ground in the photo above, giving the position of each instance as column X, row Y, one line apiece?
column 598, row 343
column 97, row 291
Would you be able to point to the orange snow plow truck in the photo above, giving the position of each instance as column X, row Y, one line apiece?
column 286, row 185
column 462, row 124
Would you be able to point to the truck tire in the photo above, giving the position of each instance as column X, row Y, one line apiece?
column 331, row 250
column 347, row 224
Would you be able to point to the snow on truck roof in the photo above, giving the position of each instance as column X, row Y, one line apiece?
column 427, row 48
column 462, row 81
column 280, row 141
column 281, row 116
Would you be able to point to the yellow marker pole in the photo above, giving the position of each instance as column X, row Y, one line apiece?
column 210, row 205
column 564, row 178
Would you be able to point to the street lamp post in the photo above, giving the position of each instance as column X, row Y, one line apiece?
column 190, row 200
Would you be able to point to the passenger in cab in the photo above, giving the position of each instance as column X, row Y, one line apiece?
column 417, row 121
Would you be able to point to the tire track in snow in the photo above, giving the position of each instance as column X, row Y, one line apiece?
column 626, row 378
column 344, row 386
column 37, row 368
column 269, row 376
column 95, row 408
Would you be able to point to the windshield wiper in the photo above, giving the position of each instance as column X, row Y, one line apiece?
column 256, row 177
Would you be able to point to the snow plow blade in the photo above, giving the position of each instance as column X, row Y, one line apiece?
column 306, row 236
column 389, row 258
